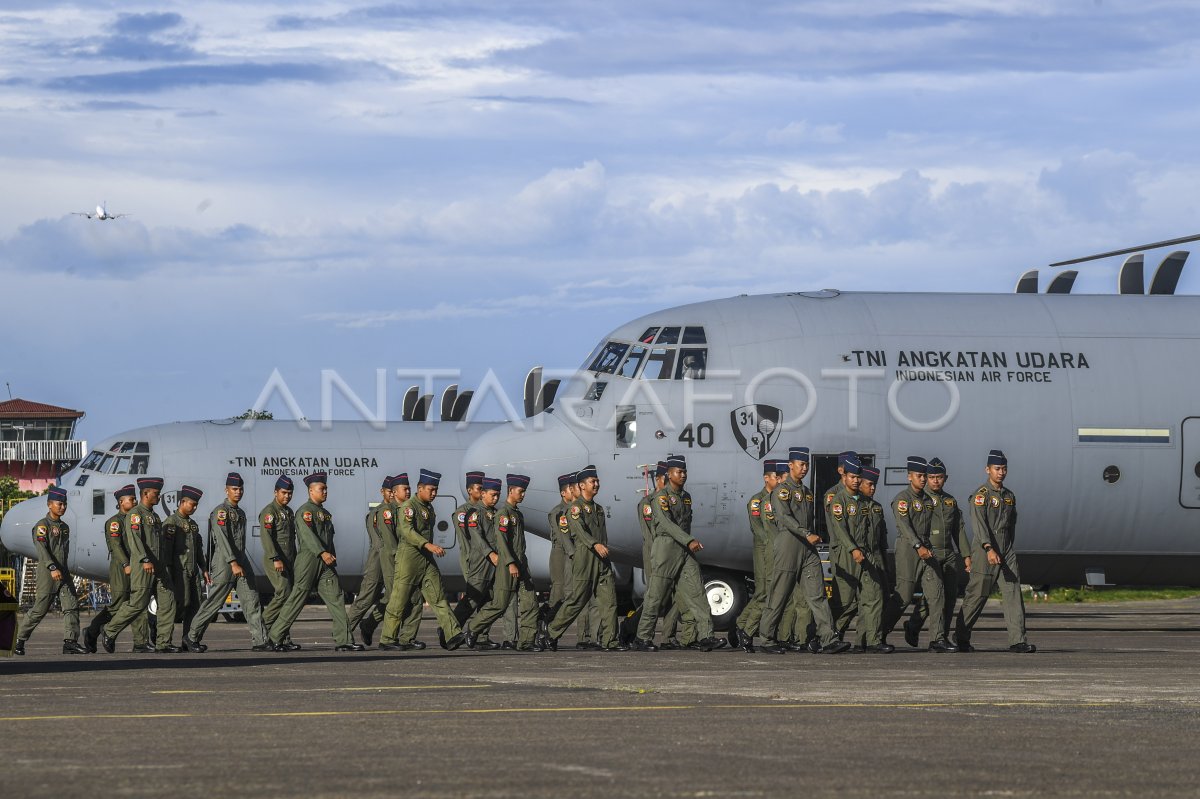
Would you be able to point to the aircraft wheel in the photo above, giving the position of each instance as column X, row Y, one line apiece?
column 727, row 595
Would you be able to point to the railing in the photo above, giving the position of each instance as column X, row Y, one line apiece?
column 42, row 450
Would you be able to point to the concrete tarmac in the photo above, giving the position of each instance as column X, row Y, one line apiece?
column 1108, row 706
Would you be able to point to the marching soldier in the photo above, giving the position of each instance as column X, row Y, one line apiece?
column 481, row 527
column 316, row 562
column 751, row 615
column 675, row 568
column 472, row 551
column 994, row 559
column 416, row 569
column 915, row 565
column 230, row 569
column 366, row 603
column 118, row 577
column 561, row 530
column 151, row 571
column 52, row 540
column 591, row 571
column 948, row 534
column 389, row 534
column 513, row 582
column 277, row 525
column 858, row 561
column 796, row 560
column 190, row 568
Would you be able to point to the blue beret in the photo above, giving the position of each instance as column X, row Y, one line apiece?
column 124, row 491
column 517, row 480
column 676, row 462
column 936, row 466
column 769, row 467
column 474, row 478
column 565, row 480
column 491, row 484
column 842, row 456
column 852, row 465
column 388, row 481
column 996, row 458
column 798, row 454
column 190, row 492
column 917, row 464
column 429, row 478
column 400, row 480
column 870, row 473
column 586, row 472
column 56, row 494
column 781, row 467
column 234, row 479
column 144, row 483
column 285, row 483
column 660, row 469
column 316, row 477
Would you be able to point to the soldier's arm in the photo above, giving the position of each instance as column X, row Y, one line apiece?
column 754, row 514
column 580, row 534
column 562, row 528
column 660, row 519
column 41, row 541
column 785, row 515
column 387, row 530
column 960, row 532
column 116, row 542
column 218, row 533
column 308, row 537
column 134, row 540
column 505, row 529
column 408, row 530
column 197, row 545
column 979, row 522
column 905, row 534
column 267, row 534
column 839, row 528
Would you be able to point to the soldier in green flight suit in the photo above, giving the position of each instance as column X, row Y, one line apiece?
column 514, row 583
column 416, row 569
column 472, row 551
column 316, row 569
column 118, row 577
column 994, row 559
column 858, row 562
column 366, row 602
column 52, row 540
column 189, row 570
column 797, row 564
column 915, row 564
column 481, row 525
column 948, row 534
column 591, row 571
column 674, row 618
column 751, row 615
column 277, row 531
column 556, row 524
column 230, row 569
column 151, row 570
column 389, row 533
column 588, row 621
column 673, row 556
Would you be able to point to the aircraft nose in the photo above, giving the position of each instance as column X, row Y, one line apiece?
column 18, row 521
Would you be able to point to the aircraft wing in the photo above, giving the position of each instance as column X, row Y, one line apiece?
column 81, row 213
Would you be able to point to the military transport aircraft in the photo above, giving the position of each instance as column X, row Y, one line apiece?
column 100, row 213
column 1093, row 398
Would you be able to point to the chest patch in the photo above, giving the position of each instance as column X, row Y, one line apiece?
column 784, row 495
column 918, row 506
column 852, row 509
column 1009, row 501
column 995, row 502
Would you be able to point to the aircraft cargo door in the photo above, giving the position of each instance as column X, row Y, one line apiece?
column 1189, row 478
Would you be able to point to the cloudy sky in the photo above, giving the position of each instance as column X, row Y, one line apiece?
column 491, row 184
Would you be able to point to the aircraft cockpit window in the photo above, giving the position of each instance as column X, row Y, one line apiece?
column 106, row 462
column 659, row 364
column 609, row 357
column 694, row 335
column 648, row 336
column 116, row 447
column 691, row 364
column 669, row 335
column 128, row 446
column 595, row 392
column 92, row 460
column 142, row 446
column 632, row 362
column 135, row 465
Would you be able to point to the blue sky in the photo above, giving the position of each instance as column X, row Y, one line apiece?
column 497, row 185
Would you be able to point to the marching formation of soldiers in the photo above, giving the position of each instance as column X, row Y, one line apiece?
column 189, row 575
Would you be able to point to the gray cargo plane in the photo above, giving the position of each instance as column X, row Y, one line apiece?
column 1091, row 397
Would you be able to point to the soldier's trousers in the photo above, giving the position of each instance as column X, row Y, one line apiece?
column 47, row 589
column 911, row 571
column 369, row 590
column 312, row 574
column 687, row 586
column 281, row 583
column 142, row 586
column 118, row 598
column 982, row 582
column 223, row 582
column 587, row 625
column 560, row 574
column 748, row 620
column 858, row 592
column 189, row 595
column 590, row 577
column 947, row 561
column 416, row 576
column 479, row 578
column 807, row 577
column 508, row 592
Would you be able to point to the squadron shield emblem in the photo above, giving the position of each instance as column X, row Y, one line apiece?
column 756, row 428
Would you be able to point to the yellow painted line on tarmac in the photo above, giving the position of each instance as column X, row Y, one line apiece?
column 183, row 692
column 615, row 709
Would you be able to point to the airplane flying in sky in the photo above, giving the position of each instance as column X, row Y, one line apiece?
column 100, row 213
column 1091, row 397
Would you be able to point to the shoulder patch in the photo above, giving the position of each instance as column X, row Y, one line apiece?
column 902, row 507
column 837, row 509
column 462, row 518
column 221, row 514
column 504, row 521
column 387, row 515
column 562, row 522
column 980, row 500
column 784, row 495
column 828, row 498
column 877, row 508
column 647, row 511
column 575, row 512
column 308, row 516
column 408, row 513
column 114, row 527
column 135, row 521
column 664, row 503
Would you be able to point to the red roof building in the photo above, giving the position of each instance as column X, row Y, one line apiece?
column 37, row 442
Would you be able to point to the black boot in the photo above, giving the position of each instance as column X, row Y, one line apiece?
column 72, row 647
column 19, row 649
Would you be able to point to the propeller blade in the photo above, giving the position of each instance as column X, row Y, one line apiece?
column 1062, row 282
column 1028, row 282
column 533, row 383
column 410, row 403
column 1166, row 277
column 1132, row 280
column 447, row 404
column 461, row 404
column 1127, row 250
